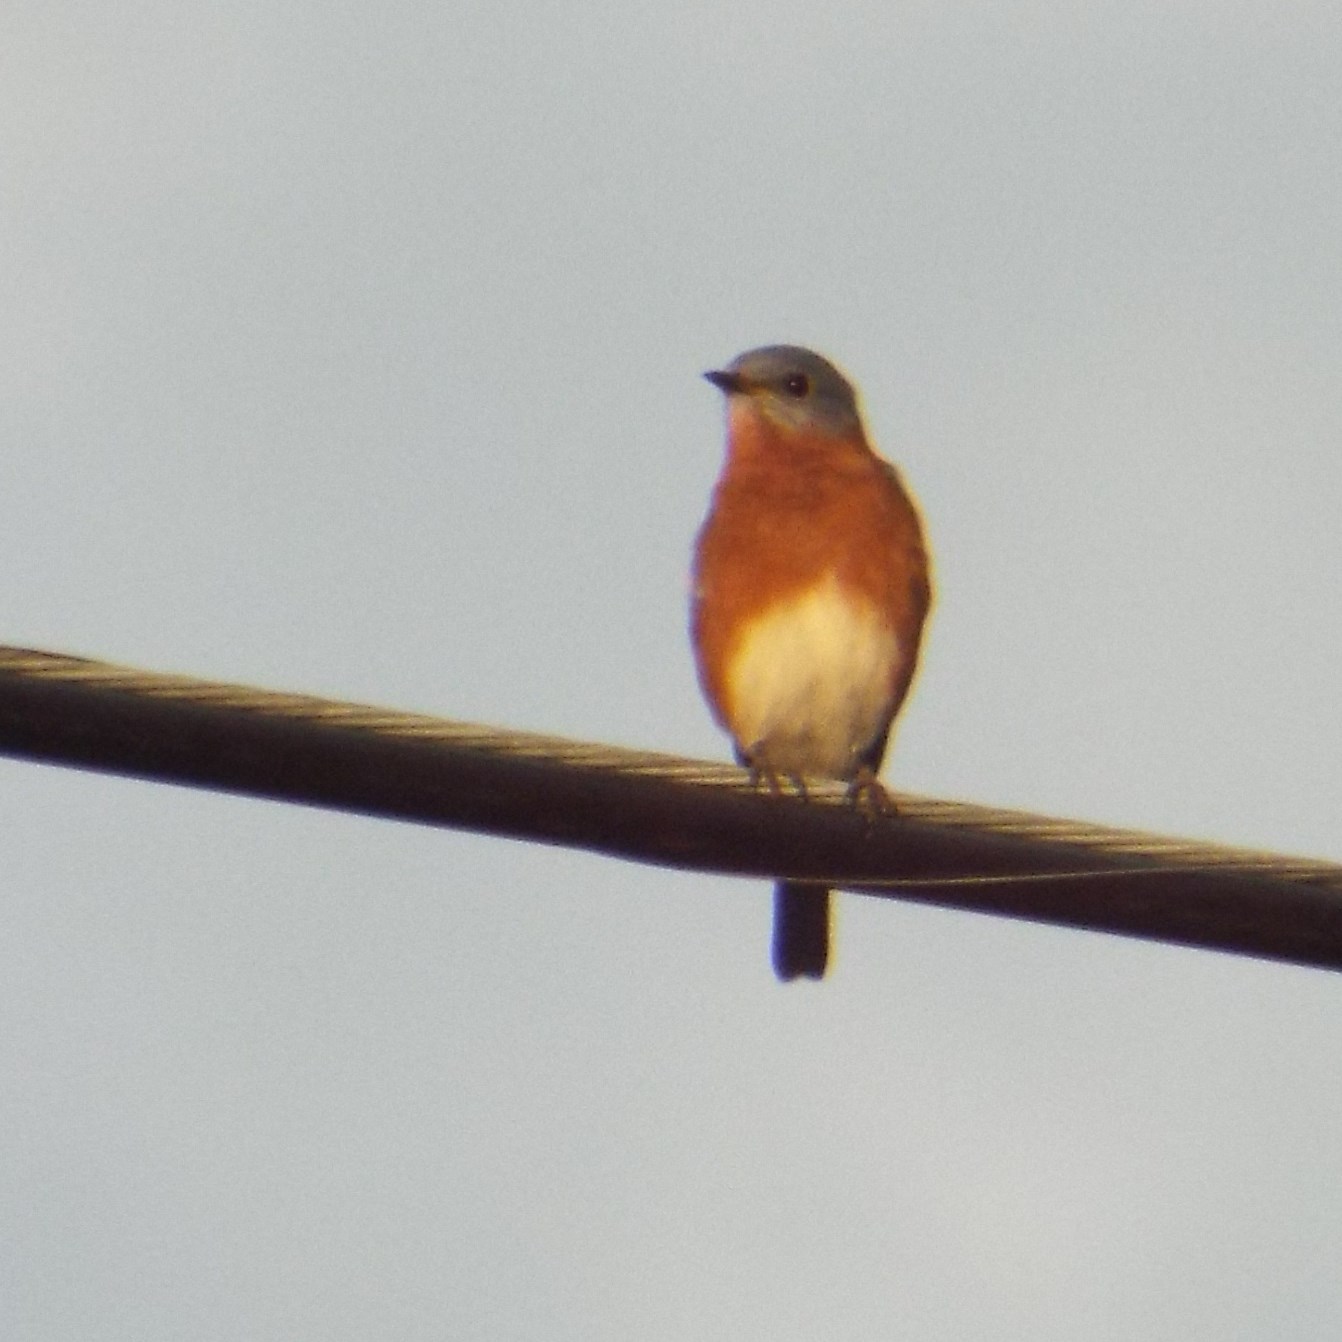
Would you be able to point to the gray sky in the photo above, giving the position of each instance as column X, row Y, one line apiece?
column 355, row 350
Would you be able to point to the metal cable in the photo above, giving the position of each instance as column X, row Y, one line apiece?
column 659, row 808
column 1172, row 854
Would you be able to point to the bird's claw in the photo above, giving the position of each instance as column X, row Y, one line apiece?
column 869, row 795
column 762, row 775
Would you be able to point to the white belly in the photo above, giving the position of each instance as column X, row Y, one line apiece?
column 810, row 687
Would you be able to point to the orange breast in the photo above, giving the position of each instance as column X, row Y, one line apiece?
column 789, row 511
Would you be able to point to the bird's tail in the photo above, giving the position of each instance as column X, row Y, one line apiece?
column 801, row 930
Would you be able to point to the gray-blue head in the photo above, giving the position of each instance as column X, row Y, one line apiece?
column 794, row 387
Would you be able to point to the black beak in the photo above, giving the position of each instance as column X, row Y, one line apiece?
column 726, row 380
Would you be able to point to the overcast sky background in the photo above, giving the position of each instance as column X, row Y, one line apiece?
column 355, row 350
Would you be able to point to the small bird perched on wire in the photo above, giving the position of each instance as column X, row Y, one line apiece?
column 811, row 586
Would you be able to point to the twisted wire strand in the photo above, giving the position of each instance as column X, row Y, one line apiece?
column 1152, row 854
column 362, row 717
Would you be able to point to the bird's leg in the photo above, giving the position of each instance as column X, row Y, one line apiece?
column 760, row 772
column 763, row 773
column 868, row 794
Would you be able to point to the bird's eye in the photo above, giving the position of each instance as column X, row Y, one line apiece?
column 797, row 384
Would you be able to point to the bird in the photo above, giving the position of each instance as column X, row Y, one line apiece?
column 810, row 588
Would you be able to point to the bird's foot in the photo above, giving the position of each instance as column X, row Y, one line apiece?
column 764, row 775
column 869, row 795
